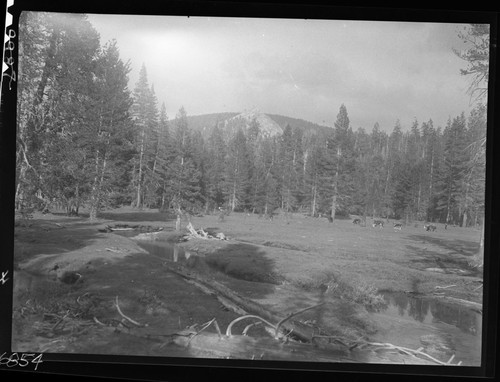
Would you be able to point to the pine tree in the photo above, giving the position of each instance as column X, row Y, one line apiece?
column 152, row 181
column 145, row 116
column 237, row 172
column 264, row 191
column 111, row 136
column 216, row 168
column 163, row 158
column 287, row 168
column 340, row 163
column 450, row 185
column 184, row 176
column 473, row 199
column 317, row 174
column 60, row 65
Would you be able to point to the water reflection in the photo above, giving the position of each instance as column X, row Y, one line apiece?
column 432, row 311
column 167, row 251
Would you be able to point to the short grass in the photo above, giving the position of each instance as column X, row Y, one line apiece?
column 301, row 250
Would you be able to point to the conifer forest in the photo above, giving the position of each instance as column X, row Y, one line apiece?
column 86, row 140
column 142, row 229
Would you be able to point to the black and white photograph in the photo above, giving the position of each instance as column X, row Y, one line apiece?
column 242, row 188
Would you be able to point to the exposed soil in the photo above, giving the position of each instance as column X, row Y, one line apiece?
column 70, row 273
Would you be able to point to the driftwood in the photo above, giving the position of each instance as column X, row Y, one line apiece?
column 213, row 345
column 469, row 304
column 126, row 318
column 411, row 352
column 244, row 305
column 202, row 234
column 244, row 347
column 210, row 345
column 445, row 287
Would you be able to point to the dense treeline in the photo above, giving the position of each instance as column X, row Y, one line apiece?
column 84, row 139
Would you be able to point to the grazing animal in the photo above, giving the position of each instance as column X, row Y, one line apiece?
column 398, row 226
column 378, row 223
column 430, row 227
column 356, row 221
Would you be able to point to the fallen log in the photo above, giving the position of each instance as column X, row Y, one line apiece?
column 469, row 304
column 301, row 333
column 211, row 345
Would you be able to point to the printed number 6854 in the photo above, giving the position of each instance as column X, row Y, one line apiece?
column 24, row 360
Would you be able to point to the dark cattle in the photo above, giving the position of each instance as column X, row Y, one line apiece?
column 378, row 223
column 398, row 226
column 356, row 221
column 430, row 227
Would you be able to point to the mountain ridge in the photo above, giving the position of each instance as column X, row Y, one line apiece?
column 204, row 123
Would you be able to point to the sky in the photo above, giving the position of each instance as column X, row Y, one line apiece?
column 381, row 71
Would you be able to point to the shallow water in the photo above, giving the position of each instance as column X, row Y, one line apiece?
column 408, row 321
column 166, row 251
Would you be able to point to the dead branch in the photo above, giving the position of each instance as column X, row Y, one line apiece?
column 206, row 325
column 247, row 306
column 99, row 322
column 115, row 250
column 293, row 315
column 444, row 287
column 247, row 328
column 202, row 234
column 192, row 231
column 405, row 350
column 228, row 330
column 126, row 317
column 470, row 304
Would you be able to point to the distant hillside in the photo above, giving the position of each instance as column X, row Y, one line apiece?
column 267, row 126
column 295, row 122
column 205, row 122
column 270, row 124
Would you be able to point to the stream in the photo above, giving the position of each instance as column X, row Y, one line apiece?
column 440, row 329
column 415, row 322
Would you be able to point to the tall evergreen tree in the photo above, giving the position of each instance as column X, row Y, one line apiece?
column 145, row 116
column 184, row 176
column 237, row 172
column 216, row 168
column 340, row 163
column 163, row 158
column 453, row 170
column 60, row 65
column 111, row 133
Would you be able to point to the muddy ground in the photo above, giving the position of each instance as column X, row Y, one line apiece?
column 70, row 277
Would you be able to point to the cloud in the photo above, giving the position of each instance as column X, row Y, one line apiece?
column 381, row 71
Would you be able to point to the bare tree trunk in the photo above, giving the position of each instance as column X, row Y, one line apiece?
column 418, row 198
column 431, row 185
column 336, row 185
column 314, row 201
column 304, row 167
column 233, row 197
column 178, row 223
column 141, row 158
